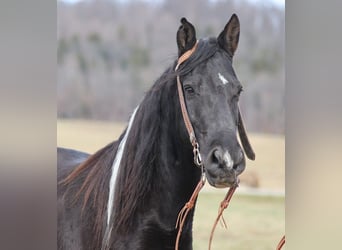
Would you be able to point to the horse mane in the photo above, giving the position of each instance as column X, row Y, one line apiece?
column 135, row 179
column 138, row 166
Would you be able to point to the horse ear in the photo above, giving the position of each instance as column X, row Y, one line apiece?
column 186, row 36
column 244, row 139
column 229, row 37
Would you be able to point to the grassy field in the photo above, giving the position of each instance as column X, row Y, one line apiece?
column 254, row 222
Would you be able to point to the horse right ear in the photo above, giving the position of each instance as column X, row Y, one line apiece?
column 229, row 37
column 186, row 36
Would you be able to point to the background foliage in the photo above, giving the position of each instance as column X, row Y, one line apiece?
column 111, row 52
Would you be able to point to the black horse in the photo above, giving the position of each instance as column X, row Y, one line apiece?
column 128, row 194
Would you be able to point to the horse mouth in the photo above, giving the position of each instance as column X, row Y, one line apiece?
column 222, row 181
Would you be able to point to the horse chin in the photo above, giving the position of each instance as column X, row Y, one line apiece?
column 218, row 182
column 220, row 185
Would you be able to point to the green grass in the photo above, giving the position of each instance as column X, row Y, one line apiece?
column 253, row 222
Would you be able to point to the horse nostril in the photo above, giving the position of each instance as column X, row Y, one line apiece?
column 240, row 158
column 216, row 157
column 220, row 158
column 239, row 161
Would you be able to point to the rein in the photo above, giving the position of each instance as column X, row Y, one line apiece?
column 198, row 162
column 223, row 206
column 281, row 243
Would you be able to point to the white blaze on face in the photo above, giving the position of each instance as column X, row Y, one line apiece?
column 223, row 80
column 228, row 160
column 116, row 165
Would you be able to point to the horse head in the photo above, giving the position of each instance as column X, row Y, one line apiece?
column 211, row 92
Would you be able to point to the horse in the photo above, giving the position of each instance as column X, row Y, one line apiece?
column 127, row 195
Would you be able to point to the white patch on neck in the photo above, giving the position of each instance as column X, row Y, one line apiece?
column 223, row 80
column 116, row 165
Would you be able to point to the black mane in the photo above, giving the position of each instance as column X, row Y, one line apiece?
column 137, row 168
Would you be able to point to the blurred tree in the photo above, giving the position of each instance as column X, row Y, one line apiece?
column 110, row 52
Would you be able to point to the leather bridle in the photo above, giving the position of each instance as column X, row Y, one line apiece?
column 198, row 160
column 193, row 140
column 188, row 125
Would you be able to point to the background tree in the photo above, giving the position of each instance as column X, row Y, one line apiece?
column 110, row 52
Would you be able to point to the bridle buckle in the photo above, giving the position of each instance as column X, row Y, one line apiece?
column 197, row 155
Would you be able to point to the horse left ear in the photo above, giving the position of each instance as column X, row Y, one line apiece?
column 186, row 36
column 229, row 37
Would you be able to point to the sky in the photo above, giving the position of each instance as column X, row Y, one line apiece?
column 277, row 2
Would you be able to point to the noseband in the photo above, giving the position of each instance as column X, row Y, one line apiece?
column 198, row 161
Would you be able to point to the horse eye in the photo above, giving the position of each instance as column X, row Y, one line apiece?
column 189, row 89
column 237, row 95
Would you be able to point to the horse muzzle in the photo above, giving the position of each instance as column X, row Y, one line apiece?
column 223, row 167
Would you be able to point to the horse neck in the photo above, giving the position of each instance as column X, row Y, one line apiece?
column 177, row 175
column 167, row 176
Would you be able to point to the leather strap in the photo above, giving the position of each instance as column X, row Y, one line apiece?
column 197, row 156
column 185, row 114
column 223, row 206
column 186, row 209
column 281, row 243
column 185, row 56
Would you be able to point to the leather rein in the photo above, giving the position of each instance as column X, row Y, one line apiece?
column 198, row 162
